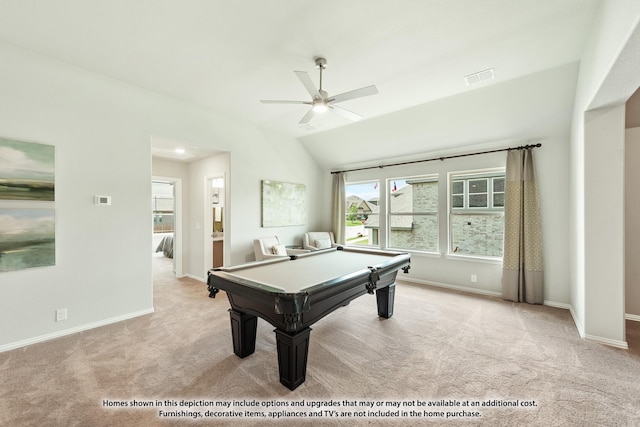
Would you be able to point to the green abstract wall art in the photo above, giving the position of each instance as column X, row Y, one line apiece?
column 27, row 238
column 27, row 205
column 283, row 204
column 26, row 171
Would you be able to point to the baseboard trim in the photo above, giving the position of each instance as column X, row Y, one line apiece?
column 497, row 295
column 74, row 330
column 199, row 279
column 448, row 286
column 634, row 317
column 607, row 341
column 476, row 291
column 557, row 304
column 575, row 322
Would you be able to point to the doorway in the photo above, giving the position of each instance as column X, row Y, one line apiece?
column 167, row 221
column 215, row 212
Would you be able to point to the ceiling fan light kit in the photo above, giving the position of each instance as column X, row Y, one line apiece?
column 319, row 106
column 320, row 99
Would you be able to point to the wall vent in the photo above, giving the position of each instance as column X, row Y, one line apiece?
column 480, row 76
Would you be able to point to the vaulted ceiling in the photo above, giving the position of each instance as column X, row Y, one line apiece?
column 228, row 55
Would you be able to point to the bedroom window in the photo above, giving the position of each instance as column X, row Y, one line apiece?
column 476, row 225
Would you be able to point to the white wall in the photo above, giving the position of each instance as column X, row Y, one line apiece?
column 171, row 168
column 632, row 113
column 102, row 131
column 100, row 149
column 529, row 107
column 599, row 320
column 632, row 225
column 272, row 157
column 261, row 156
column 199, row 205
column 455, row 272
column 533, row 108
column 632, row 206
column 604, row 221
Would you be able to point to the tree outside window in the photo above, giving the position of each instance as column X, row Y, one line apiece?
column 362, row 209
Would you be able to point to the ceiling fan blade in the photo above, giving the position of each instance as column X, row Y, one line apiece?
column 307, row 117
column 270, row 101
column 346, row 113
column 357, row 93
column 308, row 84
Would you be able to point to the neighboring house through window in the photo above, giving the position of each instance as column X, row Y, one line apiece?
column 362, row 206
column 475, row 209
column 413, row 213
column 476, row 224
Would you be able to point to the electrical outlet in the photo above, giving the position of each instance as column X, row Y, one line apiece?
column 61, row 314
column 474, row 278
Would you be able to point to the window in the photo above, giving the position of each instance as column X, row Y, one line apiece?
column 476, row 225
column 162, row 206
column 477, row 193
column 362, row 213
column 413, row 208
column 413, row 213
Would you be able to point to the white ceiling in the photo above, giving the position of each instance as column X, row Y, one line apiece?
column 227, row 55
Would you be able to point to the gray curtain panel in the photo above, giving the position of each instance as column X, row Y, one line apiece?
column 338, row 208
column 522, row 276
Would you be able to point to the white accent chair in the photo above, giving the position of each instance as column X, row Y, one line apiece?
column 316, row 240
column 270, row 247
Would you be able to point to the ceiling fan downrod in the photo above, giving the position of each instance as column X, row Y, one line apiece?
column 321, row 63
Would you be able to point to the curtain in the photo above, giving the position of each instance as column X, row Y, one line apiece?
column 338, row 208
column 522, row 275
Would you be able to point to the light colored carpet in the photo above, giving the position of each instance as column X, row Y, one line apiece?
column 439, row 345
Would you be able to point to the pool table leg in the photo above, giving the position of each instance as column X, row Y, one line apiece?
column 243, row 332
column 292, row 356
column 385, row 297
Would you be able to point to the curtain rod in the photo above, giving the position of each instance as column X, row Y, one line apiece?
column 522, row 147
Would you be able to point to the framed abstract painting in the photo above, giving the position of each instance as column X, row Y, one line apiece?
column 283, row 204
column 28, row 238
column 26, row 171
column 27, row 205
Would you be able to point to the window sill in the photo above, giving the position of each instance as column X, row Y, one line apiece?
column 456, row 257
column 418, row 253
column 475, row 258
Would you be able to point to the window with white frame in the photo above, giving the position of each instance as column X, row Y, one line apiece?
column 412, row 213
column 476, row 225
column 362, row 213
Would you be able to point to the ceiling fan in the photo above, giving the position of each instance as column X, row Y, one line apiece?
column 320, row 99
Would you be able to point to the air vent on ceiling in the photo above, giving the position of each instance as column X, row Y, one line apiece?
column 479, row 77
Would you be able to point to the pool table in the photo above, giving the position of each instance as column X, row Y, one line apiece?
column 294, row 292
